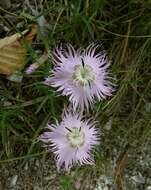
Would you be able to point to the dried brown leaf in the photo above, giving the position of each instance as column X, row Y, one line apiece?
column 12, row 51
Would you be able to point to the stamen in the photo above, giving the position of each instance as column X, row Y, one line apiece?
column 82, row 62
column 68, row 129
column 76, row 137
column 83, row 75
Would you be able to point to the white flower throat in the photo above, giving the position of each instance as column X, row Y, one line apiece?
column 76, row 137
column 83, row 74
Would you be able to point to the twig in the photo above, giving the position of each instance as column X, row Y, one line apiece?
column 120, row 168
column 25, row 104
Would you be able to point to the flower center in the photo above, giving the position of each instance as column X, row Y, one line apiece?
column 83, row 74
column 76, row 137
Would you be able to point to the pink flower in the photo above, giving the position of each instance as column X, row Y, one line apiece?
column 82, row 75
column 71, row 140
column 31, row 69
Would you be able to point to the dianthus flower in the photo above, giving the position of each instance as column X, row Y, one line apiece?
column 82, row 75
column 71, row 140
